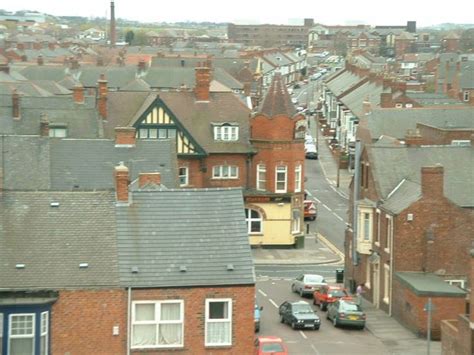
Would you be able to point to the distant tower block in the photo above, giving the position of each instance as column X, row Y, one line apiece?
column 112, row 24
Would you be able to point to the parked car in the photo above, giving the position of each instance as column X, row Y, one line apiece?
column 329, row 294
column 344, row 312
column 270, row 345
column 310, row 210
column 257, row 317
column 306, row 284
column 310, row 151
column 299, row 315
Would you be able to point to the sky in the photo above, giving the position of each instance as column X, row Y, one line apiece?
column 340, row 12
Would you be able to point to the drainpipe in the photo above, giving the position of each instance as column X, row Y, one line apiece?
column 129, row 307
column 391, row 268
column 355, row 219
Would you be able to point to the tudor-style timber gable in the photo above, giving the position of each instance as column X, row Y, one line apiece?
column 158, row 122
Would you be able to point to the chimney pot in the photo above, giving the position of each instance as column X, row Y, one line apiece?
column 203, row 83
column 125, row 136
column 413, row 138
column 40, row 60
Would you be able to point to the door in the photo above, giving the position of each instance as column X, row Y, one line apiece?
column 376, row 285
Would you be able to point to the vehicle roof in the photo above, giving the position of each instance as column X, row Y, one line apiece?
column 269, row 338
column 313, row 275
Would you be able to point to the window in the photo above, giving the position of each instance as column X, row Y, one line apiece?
column 254, row 221
column 466, row 95
column 21, row 334
column 225, row 172
column 388, row 233
column 183, row 173
column 59, row 132
column 366, row 226
column 367, row 275
column 226, row 132
column 157, row 324
column 44, row 333
column 261, row 177
column 377, row 236
column 386, row 284
column 218, row 322
column 296, row 221
column 298, row 178
column 280, row 179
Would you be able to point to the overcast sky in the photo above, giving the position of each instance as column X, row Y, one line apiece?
column 262, row 11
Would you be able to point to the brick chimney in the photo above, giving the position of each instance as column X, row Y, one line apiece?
column 40, row 60
column 432, row 181
column 386, row 100
column 149, row 179
column 113, row 32
column 78, row 94
column 44, row 125
column 413, row 138
column 121, row 183
column 125, row 136
column 102, row 96
column 141, row 66
column 16, row 105
column 203, row 83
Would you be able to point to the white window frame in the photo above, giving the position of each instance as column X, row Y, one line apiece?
column 44, row 332
column 57, row 132
column 366, row 236
column 228, row 320
column 466, row 95
column 28, row 336
column 377, row 240
column 281, row 169
column 249, row 219
column 261, row 183
column 219, row 171
column 298, row 175
column 458, row 283
column 386, row 284
column 226, row 133
column 388, row 233
column 185, row 176
column 157, row 323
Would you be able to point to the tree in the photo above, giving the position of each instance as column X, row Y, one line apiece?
column 467, row 40
column 129, row 36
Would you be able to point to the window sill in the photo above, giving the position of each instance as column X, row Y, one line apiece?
column 155, row 348
column 224, row 346
column 386, row 300
column 225, row 178
column 386, row 250
column 377, row 244
column 256, row 234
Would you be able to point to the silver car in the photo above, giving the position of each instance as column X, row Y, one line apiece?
column 306, row 284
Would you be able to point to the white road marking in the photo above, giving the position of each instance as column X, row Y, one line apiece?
column 326, row 207
column 314, row 348
column 338, row 217
column 317, row 200
column 273, row 302
column 303, row 334
column 262, row 293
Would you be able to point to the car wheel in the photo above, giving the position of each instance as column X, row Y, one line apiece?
column 301, row 292
column 362, row 327
column 282, row 320
column 334, row 322
column 293, row 325
column 293, row 289
column 257, row 329
column 316, row 327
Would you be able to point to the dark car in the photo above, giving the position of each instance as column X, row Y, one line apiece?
column 348, row 313
column 299, row 315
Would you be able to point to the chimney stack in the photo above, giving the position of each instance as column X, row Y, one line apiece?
column 102, row 96
column 112, row 24
column 121, row 183
column 203, row 83
column 40, row 60
column 413, row 138
column 125, row 136
column 141, row 66
column 16, row 105
column 432, row 181
column 44, row 125
column 386, row 100
column 149, row 179
column 78, row 94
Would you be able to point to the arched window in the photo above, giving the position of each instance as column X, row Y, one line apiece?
column 254, row 221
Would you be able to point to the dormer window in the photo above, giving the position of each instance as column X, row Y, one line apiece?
column 226, row 132
column 57, row 131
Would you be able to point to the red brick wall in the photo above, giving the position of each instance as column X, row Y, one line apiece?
column 82, row 322
column 243, row 301
column 407, row 307
column 435, row 135
column 457, row 337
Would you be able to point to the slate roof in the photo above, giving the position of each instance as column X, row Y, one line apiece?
column 402, row 197
column 354, row 100
column 426, row 284
column 432, row 99
column 393, row 164
column 203, row 230
column 343, row 82
column 277, row 100
column 395, row 122
column 466, row 78
column 53, row 241
column 39, row 163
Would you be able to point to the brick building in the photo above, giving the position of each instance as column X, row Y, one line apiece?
column 411, row 236
column 454, row 76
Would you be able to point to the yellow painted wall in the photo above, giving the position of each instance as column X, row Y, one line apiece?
column 276, row 226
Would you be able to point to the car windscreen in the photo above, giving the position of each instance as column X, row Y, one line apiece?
column 337, row 293
column 351, row 307
column 302, row 308
column 272, row 347
column 313, row 279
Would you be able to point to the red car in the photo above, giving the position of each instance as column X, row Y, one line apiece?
column 310, row 210
column 330, row 294
column 270, row 345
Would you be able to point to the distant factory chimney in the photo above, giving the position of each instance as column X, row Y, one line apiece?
column 112, row 24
